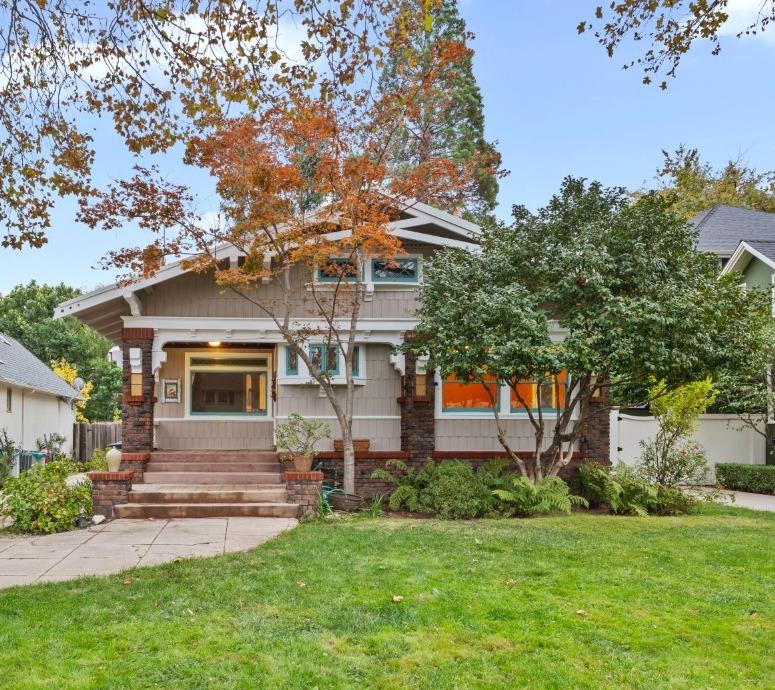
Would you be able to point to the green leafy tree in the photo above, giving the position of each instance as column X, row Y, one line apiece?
column 608, row 290
column 447, row 120
column 27, row 314
column 694, row 185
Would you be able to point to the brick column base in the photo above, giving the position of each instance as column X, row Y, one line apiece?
column 304, row 490
column 134, row 462
column 109, row 489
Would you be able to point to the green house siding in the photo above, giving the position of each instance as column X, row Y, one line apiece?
column 757, row 274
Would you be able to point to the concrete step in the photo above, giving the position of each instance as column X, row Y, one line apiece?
column 193, row 510
column 161, row 493
column 213, row 478
column 196, row 466
column 214, row 456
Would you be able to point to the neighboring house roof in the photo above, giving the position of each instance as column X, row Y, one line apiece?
column 19, row 367
column 763, row 250
column 721, row 228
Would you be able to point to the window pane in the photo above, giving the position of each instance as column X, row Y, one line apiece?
column 468, row 396
column 395, row 270
column 420, row 385
column 291, row 361
column 228, row 392
column 550, row 395
column 335, row 270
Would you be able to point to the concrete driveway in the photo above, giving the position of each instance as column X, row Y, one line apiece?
column 753, row 501
column 121, row 544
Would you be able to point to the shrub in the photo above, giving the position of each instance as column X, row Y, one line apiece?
column 7, row 451
column 456, row 492
column 626, row 492
column 40, row 500
column 544, row 496
column 758, row 479
column 98, row 462
column 673, row 466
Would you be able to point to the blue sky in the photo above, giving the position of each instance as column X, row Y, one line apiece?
column 553, row 100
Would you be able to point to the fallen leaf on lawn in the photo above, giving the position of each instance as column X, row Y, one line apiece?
column 127, row 581
column 510, row 582
column 582, row 613
column 301, row 583
column 397, row 598
column 189, row 612
column 477, row 541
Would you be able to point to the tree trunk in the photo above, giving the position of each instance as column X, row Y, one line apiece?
column 348, row 463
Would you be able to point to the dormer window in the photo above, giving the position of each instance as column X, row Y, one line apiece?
column 337, row 270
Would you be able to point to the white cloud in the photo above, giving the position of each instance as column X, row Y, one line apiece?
column 744, row 13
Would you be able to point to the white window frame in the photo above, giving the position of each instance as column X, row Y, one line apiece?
column 225, row 354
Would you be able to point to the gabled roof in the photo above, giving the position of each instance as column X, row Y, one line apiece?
column 763, row 250
column 722, row 228
column 19, row 367
column 102, row 309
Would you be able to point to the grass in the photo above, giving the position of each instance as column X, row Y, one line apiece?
column 665, row 603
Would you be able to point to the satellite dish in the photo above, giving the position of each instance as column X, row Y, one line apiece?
column 78, row 383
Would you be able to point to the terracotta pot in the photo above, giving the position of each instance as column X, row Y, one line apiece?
column 302, row 463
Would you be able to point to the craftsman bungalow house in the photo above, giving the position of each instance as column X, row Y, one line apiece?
column 205, row 372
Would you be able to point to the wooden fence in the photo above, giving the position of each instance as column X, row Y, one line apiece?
column 95, row 436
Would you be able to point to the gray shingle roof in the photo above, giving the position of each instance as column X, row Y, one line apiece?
column 722, row 227
column 19, row 367
column 766, row 247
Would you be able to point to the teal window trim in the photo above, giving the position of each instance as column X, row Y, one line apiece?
column 323, row 277
column 325, row 365
column 396, row 279
column 470, row 410
column 290, row 369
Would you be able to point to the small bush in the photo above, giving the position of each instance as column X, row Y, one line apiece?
column 626, row 492
column 98, row 462
column 457, row 492
column 7, row 451
column 39, row 500
column 673, row 466
column 758, row 479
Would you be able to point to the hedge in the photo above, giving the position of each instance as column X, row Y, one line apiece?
column 758, row 479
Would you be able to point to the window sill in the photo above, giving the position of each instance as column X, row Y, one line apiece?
column 309, row 381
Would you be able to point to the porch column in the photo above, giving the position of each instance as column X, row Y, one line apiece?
column 137, row 397
column 595, row 444
column 418, row 411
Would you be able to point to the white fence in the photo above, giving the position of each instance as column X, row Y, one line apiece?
column 723, row 436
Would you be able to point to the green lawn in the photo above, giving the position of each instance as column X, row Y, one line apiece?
column 669, row 602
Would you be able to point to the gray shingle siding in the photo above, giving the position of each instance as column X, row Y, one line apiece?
column 721, row 228
column 19, row 367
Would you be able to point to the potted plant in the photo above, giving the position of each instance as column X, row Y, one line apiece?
column 296, row 440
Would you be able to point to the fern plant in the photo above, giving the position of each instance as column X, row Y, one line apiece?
column 547, row 495
column 408, row 482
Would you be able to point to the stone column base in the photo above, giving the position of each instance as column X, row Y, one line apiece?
column 304, row 490
column 109, row 489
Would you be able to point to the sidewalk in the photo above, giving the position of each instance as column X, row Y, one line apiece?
column 114, row 546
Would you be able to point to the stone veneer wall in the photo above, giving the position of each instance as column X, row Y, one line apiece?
column 137, row 411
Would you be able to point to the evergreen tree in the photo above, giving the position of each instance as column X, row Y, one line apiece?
column 448, row 120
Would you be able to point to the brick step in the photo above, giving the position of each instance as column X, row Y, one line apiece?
column 201, row 510
column 213, row 478
column 197, row 466
column 161, row 493
column 214, row 456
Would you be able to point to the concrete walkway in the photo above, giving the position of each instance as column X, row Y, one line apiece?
column 753, row 501
column 121, row 544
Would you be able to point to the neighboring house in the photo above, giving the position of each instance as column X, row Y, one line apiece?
column 212, row 373
column 723, row 229
column 34, row 401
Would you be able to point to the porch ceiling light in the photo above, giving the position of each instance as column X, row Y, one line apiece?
column 214, row 343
